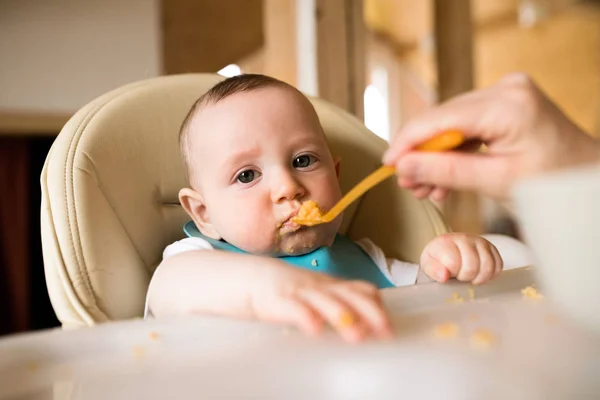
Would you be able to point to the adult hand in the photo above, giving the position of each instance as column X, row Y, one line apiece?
column 524, row 132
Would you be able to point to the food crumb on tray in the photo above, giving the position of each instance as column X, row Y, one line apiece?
column 531, row 293
column 482, row 339
column 446, row 330
column 455, row 298
column 471, row 293
column 138, row 352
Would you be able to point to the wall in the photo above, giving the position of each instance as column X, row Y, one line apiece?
column 59, row 54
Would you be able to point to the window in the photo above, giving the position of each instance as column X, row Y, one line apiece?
column 230, row 70
column 376, row 103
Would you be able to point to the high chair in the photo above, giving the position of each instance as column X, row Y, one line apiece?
column 110, row 196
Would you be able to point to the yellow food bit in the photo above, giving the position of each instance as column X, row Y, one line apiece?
column 153, row 336
column 455, row 298
column 446, row 330
column 482, row 339
column 309, row 211
column 138, row 351
column 532, row 293
column 471, row 293
column 346, row 320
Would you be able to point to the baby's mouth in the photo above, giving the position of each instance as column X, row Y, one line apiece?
column 289, row 227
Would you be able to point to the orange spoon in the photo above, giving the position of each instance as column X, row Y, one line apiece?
column 310, row 214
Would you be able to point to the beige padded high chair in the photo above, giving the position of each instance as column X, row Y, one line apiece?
column 110, row 205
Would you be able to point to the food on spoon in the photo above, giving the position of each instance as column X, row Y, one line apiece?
column 309, row 214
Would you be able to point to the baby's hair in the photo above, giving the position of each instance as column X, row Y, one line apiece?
column 222, row 90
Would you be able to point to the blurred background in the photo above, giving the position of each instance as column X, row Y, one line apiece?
column 382, row 60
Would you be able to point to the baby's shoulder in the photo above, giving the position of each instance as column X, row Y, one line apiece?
column 186, row 244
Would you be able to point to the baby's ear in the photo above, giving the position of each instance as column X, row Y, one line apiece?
column 193, row 204
column 337, row 161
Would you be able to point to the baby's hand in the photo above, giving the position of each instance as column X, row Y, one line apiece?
column 308, row 300
column 467, row 258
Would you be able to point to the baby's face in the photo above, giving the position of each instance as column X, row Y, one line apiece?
column 256, row 156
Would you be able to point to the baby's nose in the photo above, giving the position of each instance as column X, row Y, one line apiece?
column 287, row 188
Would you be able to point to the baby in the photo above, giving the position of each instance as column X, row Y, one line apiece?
column 255, row 151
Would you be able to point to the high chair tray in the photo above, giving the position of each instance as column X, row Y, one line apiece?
column 451, row 343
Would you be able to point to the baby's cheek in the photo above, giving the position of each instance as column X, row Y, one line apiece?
column 260, row 236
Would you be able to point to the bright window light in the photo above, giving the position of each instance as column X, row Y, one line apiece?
column 376, row 104
column 230, row 70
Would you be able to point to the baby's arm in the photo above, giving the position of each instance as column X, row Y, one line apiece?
column 203, row 281
column 252, row 287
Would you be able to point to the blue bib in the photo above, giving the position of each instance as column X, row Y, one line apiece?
column 344, row 259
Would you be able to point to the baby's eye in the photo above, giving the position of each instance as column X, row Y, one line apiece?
column 303, row 161
column 247, row 176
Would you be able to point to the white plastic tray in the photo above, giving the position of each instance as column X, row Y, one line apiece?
column 536, row 354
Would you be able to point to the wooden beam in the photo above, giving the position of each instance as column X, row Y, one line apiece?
column 454, row 47
column 341, row 53
column 206, row 35
column 454, row 58
column 336, row 35
column 280, row 53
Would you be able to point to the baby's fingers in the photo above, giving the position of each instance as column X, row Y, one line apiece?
column 498, row 261
column 487, row 263
column 367, row 305
column 296, row 313
column 334, row 311
column 435, row 269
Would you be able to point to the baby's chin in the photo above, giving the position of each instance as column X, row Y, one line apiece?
column 302, row 242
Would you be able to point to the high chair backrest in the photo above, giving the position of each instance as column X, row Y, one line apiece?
column 110, row 196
